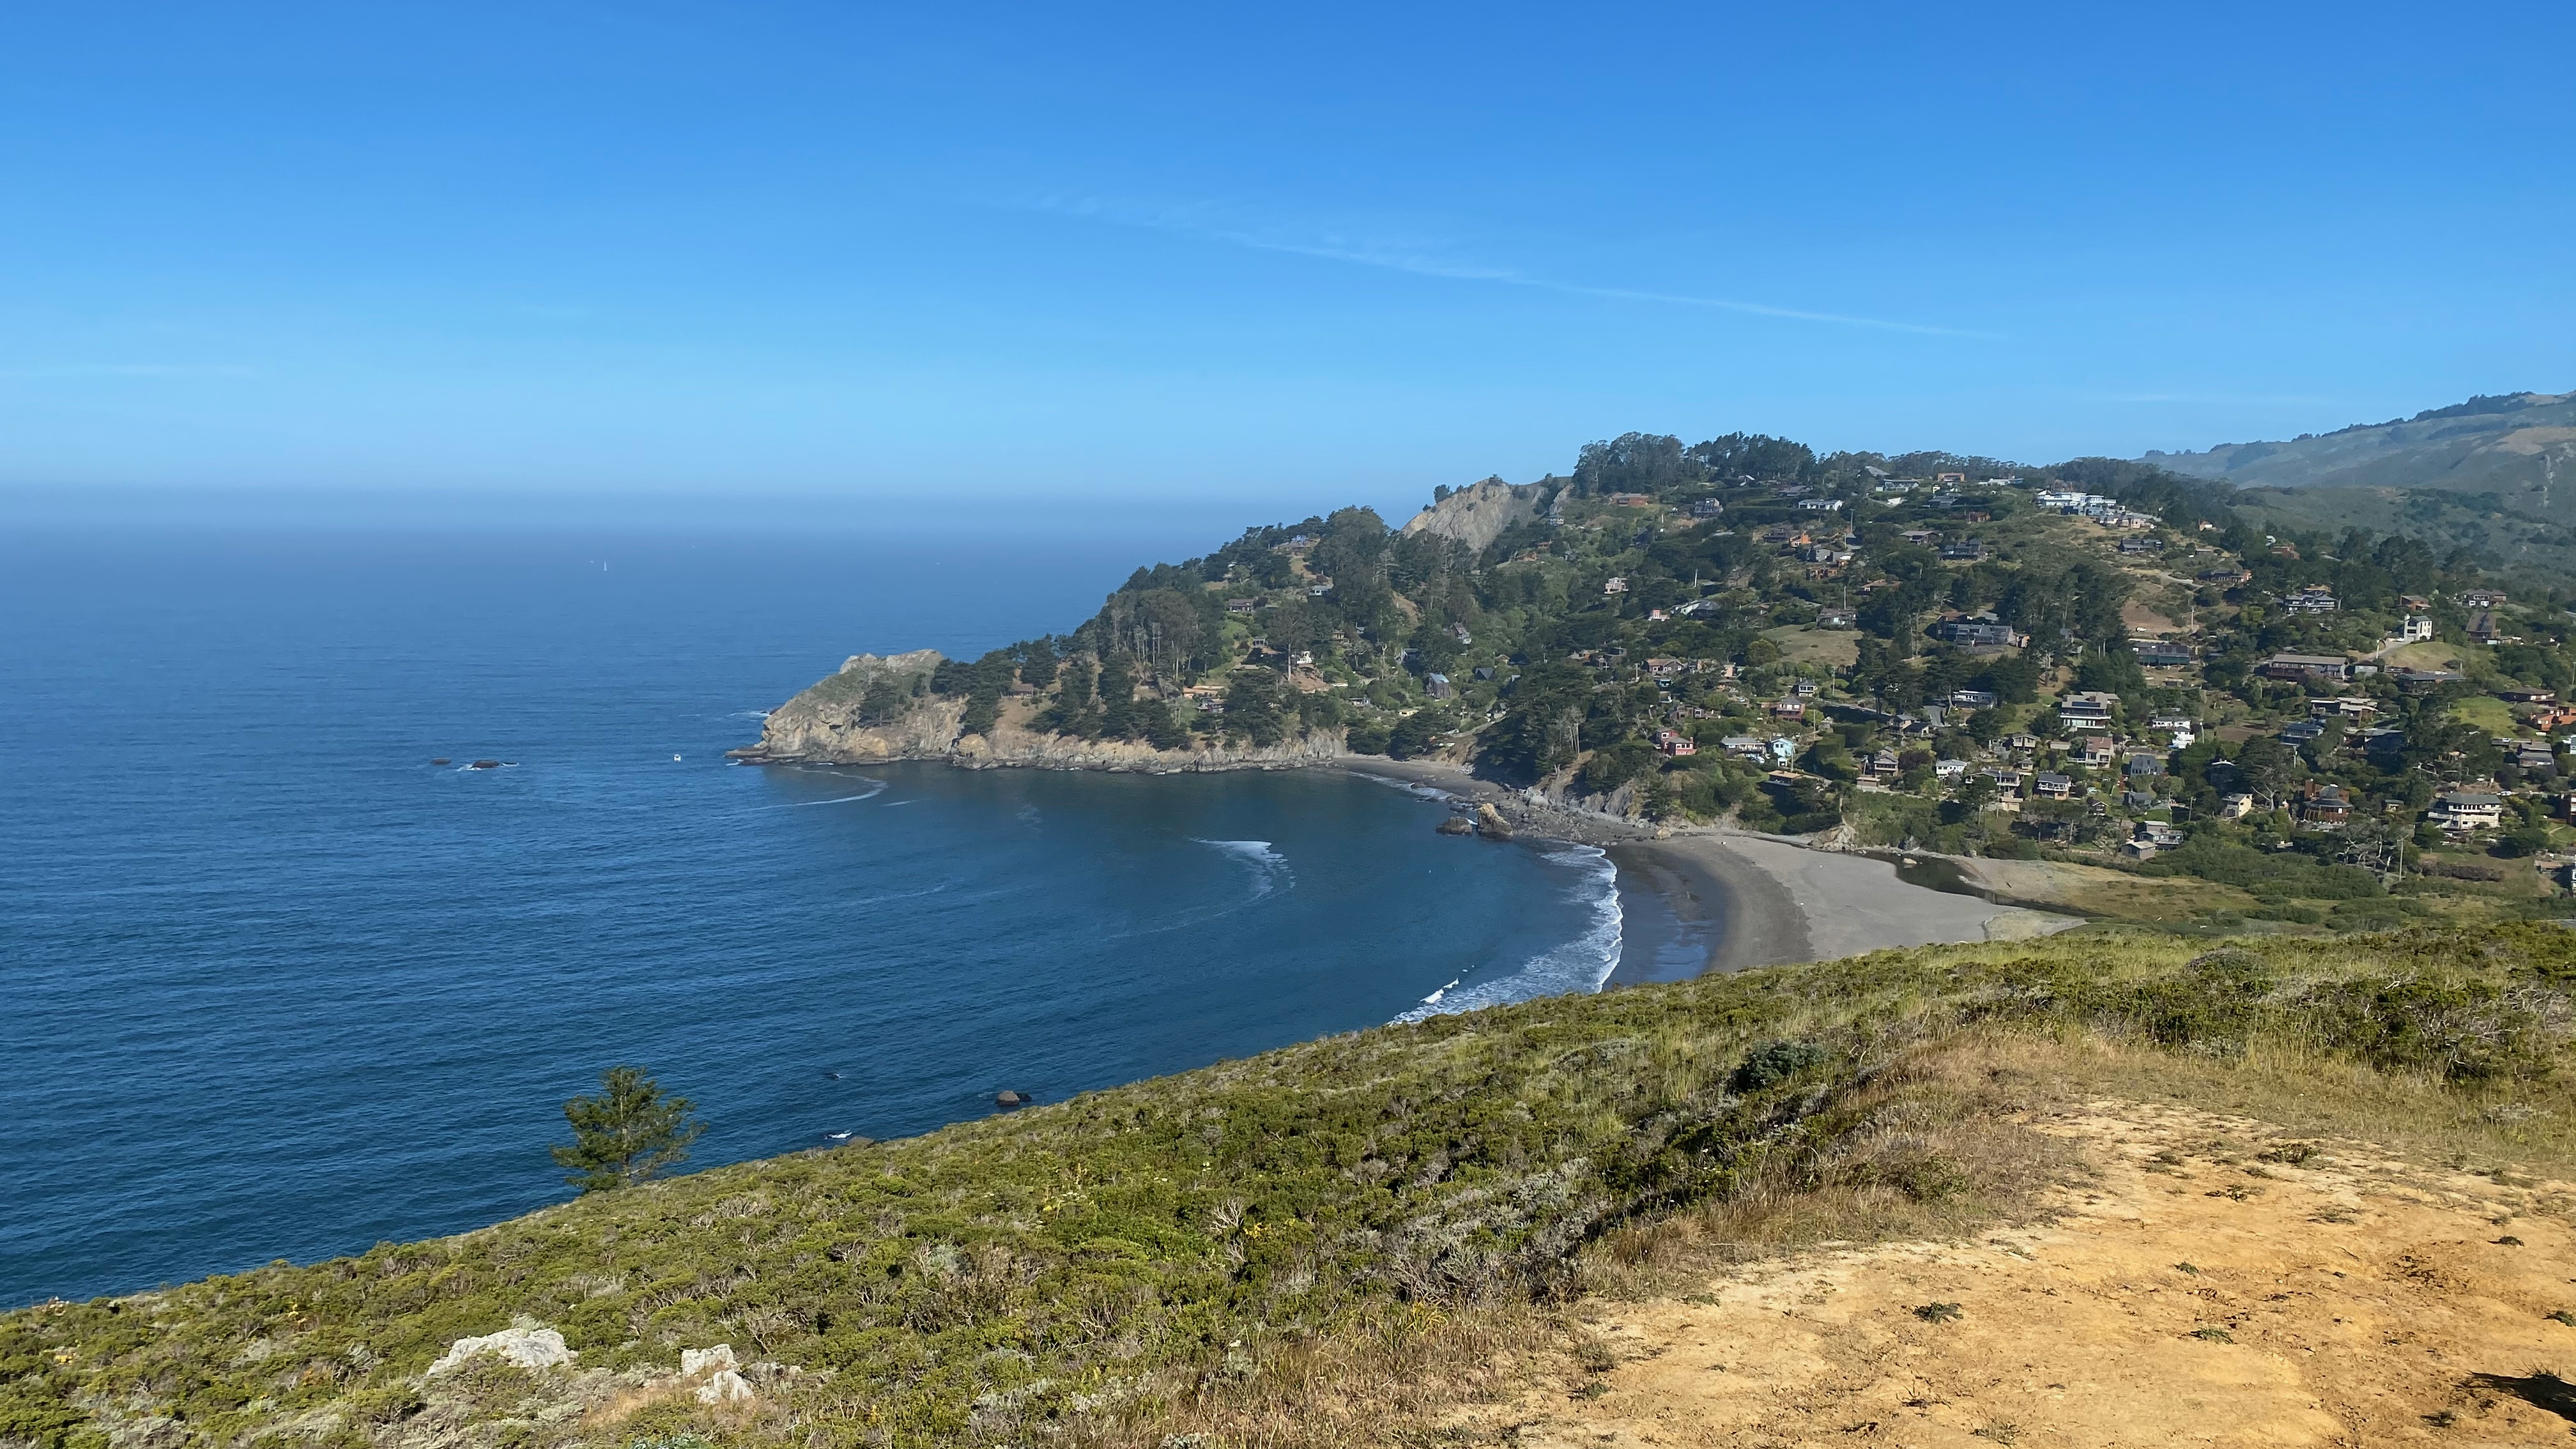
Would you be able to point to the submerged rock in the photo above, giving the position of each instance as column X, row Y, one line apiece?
column 1007, row 1100
column 1456, row 825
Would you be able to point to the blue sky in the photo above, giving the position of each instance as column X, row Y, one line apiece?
column 1310, row 253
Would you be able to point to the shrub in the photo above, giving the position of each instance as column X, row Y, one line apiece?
column 1772, row 1063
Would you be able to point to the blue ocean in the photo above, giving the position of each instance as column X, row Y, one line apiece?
column 279, row 987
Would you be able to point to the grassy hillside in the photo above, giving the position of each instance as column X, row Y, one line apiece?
column 2493, row 475
column 1326, row 1244
column 2484, row 445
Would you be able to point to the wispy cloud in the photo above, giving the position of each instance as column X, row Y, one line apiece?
column 1423, row 256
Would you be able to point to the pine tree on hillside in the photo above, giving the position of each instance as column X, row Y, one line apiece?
column 629, row 1133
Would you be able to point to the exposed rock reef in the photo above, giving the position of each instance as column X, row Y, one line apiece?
column 878, row 709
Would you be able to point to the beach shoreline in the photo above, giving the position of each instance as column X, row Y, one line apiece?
column 1759, row 900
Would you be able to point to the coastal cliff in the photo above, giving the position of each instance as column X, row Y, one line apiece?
column 877, row 709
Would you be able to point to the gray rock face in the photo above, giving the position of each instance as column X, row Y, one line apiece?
column 1477, row 514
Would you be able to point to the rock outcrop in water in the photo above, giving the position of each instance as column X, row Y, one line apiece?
column 878, row 709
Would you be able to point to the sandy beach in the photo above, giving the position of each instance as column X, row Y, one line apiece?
column 1761, row 901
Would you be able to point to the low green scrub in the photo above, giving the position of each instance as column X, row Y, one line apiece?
column 2272, row 875
column 1140, row 1262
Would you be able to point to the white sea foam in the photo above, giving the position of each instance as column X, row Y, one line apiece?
column 1414, row 788
column 1269, row 868
column 875, row 788
column 1581, row 965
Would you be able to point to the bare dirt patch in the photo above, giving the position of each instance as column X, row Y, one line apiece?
column 2140, row 618
column 2213, row 1283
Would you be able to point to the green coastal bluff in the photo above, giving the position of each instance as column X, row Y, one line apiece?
column 1294, row 645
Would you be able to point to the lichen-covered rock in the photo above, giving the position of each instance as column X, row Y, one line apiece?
column 720, row 1374
column 526, row 1342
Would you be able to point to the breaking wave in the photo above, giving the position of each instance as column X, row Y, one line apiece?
column 1269, row 867
column 1581, row 965
column 875, row 788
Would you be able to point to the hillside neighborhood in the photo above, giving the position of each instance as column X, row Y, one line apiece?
column 2098, row 663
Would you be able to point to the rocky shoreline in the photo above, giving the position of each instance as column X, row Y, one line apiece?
column 1761, row 900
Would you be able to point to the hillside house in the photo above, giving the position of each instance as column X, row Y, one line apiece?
column 1675, row 743
column 2462, row 811
column 2087, row 707
column 2159, row 654
column 2314, row 599
column 2415, row 629
column 1972, row 634
column 2095, row 751
column 2328, row 807
column 2048, row 786
column 2226, row 578
column 2307, row 666
column 2424, row 681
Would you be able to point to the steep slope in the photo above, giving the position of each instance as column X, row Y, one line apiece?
column 1476, row 515
column 1370, row 1237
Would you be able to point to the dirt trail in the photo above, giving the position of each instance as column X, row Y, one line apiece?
column 2348, row 1300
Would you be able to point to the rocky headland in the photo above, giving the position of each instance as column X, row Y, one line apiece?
column 877, row 709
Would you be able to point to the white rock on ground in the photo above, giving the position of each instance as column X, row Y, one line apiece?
column 526, row 1342
column 725, row 1383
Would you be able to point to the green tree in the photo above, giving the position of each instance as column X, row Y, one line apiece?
column 629, row 1133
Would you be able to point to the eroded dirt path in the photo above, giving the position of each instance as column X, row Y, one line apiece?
column 2193, row 1293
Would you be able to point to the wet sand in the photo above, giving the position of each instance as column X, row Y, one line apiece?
column 1787, row 903
column 1756, row 901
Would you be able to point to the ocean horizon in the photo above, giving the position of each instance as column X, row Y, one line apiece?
column 285, row 988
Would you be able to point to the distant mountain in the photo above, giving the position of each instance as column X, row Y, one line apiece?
column 2508, row 445
column 2494, row 475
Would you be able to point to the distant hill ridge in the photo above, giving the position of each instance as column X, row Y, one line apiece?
column 2510, row 444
